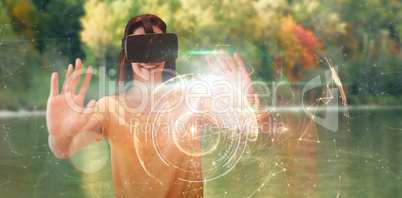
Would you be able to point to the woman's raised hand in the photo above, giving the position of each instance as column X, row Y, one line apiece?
column 236, row 74
column 65, row 112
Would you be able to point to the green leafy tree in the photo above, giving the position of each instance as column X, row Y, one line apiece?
column 103, row 27
column 22, row 14
column 60, row 24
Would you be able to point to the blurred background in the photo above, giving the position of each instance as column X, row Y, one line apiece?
column 281, row 40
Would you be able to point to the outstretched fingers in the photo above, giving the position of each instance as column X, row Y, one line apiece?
column 221, row 60
column 67, row 82
column 246, row 76
column 228, row 60
column 54, row 85
column 240, row 62
column 87, row 79
column 77, row 74
column 214, row 65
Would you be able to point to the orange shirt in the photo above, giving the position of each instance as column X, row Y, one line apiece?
column 146, row 163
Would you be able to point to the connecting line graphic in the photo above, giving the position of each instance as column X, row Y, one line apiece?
column 338, row 83
column 278, row 168
column 322, row 104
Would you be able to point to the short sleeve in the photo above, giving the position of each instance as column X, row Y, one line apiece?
column 101, row 113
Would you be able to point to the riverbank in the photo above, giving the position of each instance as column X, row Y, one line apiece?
column 20, row 113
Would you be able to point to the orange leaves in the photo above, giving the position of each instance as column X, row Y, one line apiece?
column 22, row 13
column 300, row 46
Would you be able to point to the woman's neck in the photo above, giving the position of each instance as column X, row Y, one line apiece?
column 150, row 84
column 140, row 92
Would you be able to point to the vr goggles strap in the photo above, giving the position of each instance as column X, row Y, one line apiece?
column 147, row 24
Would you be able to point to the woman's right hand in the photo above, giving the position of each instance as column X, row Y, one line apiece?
column 65, row 112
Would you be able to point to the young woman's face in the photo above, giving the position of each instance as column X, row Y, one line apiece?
column 146, row 70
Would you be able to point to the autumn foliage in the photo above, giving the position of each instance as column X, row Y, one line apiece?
column 21, row 12
column 301, row 45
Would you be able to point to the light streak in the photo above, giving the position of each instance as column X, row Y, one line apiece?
column 199, row 52
column 192, row 52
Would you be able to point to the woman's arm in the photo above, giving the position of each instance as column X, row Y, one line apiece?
column 66, row 147
column 67, row 119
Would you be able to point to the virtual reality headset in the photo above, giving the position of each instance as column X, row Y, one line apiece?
column 150, row 47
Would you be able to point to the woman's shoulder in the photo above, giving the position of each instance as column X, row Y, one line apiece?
column 108, row 101
column 115, row 102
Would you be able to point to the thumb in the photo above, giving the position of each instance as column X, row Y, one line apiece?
column 90, row 108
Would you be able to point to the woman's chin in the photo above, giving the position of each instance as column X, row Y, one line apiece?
column 150, row 74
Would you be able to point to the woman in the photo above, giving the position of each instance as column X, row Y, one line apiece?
column 136, row 167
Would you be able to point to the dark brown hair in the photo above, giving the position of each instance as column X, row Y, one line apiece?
column 125, row 70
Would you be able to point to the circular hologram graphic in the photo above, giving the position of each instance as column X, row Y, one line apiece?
column 201, row 127
column 206, row 130
column 197, row 117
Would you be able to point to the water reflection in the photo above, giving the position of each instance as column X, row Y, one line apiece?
column 362, row 159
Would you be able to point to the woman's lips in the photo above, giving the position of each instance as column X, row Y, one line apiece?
column 149, row 66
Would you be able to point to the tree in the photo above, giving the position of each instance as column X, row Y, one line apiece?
column 61, row 23
column 290, row 42
column 22, row 16
column 103, row 27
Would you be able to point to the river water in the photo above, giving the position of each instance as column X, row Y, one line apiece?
column 362, row 159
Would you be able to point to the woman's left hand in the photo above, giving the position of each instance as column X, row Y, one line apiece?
column 236, row 74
